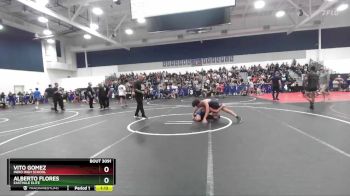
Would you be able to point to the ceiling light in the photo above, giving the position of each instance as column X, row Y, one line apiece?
column 50, row 41
column 47, row 32
column 43, row 19
column 94, row 26
column 97, row 11
column 42, row 2
column 141, row 20
column 280, row 14
column 259, row 4
column 1, row 27
column 342, row 7
column 87, row 36
column 129, row 31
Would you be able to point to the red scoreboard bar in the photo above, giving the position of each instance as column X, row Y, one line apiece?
column 92, row 174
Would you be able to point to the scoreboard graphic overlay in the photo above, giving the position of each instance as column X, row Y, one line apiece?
column 93, row 174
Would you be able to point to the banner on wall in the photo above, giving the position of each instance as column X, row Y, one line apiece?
column 198, row 62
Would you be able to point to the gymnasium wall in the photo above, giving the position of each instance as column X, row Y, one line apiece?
column 245, row 49
column 335, row 37
column 97, row 71
column 27, row 79
column 58, row 58
column 302, row 40
column 53, row 67
column 18, row 50
column 80, row 82
column 237, row 59
column 58, row 66
column 338, row 59
column 21, row 61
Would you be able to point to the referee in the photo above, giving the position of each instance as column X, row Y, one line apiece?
column 312, row 84
column 139, row 92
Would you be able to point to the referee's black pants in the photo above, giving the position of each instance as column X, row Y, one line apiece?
column 276, row 90
column 107, row 101
column 102, row 101
column 58, row 100
column 91, row 102
column 139, row 101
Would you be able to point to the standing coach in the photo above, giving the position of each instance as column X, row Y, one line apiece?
column 57, row 97
column 90, row 95
column 49, row 95
column 139, row 92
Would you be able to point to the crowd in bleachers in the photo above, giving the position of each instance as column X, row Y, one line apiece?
column 299, row 69
column 222, row 81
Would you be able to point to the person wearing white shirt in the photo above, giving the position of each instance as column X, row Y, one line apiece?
column 175, row 91
column 122, row 95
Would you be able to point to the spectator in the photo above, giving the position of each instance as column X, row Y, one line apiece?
column 20, row 98
column 37, row 98
column 2, row 97
column 122, row 95
column 12, row 99
column 340, row 82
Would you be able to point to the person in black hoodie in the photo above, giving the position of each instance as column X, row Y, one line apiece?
column 90, row 94
column 102, row 96
column 107, row 95
column 58, row 97
column 49, row 95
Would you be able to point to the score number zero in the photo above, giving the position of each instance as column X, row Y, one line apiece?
column 105, row 169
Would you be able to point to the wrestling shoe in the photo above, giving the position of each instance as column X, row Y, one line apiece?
column 311, row 106
column 239, row 119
